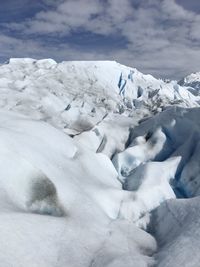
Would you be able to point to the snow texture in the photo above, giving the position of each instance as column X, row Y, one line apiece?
column 99, row 166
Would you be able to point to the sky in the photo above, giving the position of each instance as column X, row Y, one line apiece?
column 160, row 37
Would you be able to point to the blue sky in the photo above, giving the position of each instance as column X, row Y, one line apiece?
column 161, row 37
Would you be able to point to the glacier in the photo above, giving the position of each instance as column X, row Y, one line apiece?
column 99, row 166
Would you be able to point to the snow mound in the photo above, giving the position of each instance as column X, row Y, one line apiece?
column 28, row 188
column 45, row 172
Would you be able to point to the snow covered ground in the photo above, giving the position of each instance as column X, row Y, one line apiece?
column 99, row 166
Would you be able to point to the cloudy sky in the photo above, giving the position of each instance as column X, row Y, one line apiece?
column 161, row 37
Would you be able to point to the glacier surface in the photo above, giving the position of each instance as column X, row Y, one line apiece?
column 99, row 166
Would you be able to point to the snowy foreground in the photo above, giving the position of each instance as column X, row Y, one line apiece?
column 100, row 166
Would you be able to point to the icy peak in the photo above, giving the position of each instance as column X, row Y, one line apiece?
column 193, row 76
column 192, row 80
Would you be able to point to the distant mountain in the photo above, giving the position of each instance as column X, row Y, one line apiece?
column 192, row 81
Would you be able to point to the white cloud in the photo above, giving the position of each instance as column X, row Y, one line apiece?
column 159, row 36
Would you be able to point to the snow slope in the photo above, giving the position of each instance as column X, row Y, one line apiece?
column 60, row 202
column 98, row 162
